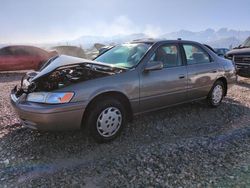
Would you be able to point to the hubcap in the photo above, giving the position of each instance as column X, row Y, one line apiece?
column 109, row 121
column 217, row 94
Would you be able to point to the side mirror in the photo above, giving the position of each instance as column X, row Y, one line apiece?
column 153, row 65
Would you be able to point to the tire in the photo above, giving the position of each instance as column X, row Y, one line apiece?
column 106, row 119
column 216, row 94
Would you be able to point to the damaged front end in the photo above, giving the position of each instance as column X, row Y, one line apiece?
column 61, row 72
column 35, row 100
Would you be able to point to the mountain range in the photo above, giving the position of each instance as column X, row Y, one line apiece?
column 216, row 38
column 222, row 38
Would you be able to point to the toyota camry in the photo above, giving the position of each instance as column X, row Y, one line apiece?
column 101, row 95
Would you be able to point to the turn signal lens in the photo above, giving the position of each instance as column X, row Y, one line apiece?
column 55, row 98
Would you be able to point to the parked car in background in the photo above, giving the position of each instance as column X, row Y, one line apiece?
column 70, row 50
column 241, row 57
column 21, row 57
column 221, row 51
column 128, row 79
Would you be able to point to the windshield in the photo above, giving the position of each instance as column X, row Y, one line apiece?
column 246, row 43
column 125, row 55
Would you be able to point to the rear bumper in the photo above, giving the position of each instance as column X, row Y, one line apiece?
column 49, row 117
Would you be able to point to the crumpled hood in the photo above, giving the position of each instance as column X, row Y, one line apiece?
column 64, row 60
column 242, row 51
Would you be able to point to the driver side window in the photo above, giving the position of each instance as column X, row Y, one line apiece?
column 168, row 55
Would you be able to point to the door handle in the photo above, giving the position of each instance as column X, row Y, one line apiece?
column 213, row 71
column 182, row 76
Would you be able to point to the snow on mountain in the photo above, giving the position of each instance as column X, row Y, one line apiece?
column 229, row 42
column 221, row 38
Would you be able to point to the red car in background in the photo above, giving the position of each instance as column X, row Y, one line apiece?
column 21, row 57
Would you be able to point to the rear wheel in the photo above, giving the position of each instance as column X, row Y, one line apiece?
column 106, row 119
column 216, row 94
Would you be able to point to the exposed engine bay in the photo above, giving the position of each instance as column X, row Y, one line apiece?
column 68, row 75
column 64, row 76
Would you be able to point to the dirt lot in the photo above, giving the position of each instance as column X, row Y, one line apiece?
column 189, row 145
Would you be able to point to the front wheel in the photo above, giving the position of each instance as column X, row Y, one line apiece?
column 106, row 119
column 216, row 94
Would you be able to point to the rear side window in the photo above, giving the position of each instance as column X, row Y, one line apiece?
column 20, row 51
column 195, row 54
column 168, row 54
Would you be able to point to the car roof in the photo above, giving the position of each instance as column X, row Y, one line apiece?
column 153, row 41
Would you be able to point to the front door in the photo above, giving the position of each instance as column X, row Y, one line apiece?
column 168, row 86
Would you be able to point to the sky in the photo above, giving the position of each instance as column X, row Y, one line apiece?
column 56, row 20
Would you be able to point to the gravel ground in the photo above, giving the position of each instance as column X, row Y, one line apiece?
column 189, row 145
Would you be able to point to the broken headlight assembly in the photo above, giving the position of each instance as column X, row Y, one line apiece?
column 50, row 97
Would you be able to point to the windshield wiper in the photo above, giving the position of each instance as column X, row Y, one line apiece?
column 122, row 67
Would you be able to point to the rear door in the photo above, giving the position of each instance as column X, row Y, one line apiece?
column 202, row 70
column 167, row 86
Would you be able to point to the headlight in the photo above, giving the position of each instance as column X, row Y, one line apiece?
column 50, row 98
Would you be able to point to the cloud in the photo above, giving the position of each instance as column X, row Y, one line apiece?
column 121, row 25
column 153, row 31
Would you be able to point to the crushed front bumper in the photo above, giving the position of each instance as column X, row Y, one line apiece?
column 55, row 117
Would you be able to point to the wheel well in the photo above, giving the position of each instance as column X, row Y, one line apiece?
column 224, row 81
column 111, row 94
